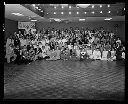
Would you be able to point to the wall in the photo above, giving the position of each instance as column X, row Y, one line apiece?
column 106, row 24
column 10, row 27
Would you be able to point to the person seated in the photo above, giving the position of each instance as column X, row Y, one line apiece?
column 104, row 54
column 53, row 55
column 123, row 55
column 83, row 54
column 44, row 54
column 95, row 53
column 38, row 54
column 90, row 52
column 70, row 48
column 58, row 53
column 113, row 52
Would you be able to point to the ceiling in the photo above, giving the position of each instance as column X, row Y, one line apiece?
column 45, row 12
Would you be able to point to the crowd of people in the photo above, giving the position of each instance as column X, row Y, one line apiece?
column 65, row 44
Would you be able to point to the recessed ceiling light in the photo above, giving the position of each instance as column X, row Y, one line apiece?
column 81, row 19
column 54, row 12
column 33, row 5
column 70, row 7
column 107, row 18
column 33, row 20
column 108, row 5
column 93, row 12
column 18, row 14
column 42, row 11
column 101, row 12
column 100, row 6
column 4, row 3
column 69, row 12
column 109, row 11
column 55, row 7
column 77, row 12
column 85, row 12
column 92, row 6
column 124, row 8
column 62, row 12
column 62, row 7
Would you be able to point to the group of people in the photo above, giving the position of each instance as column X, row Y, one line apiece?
column 65, row 44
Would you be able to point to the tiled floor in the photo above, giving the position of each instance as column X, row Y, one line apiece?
column 65, row 80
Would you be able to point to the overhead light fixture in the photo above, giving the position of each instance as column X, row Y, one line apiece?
column 55, row 7
column 33, row 5
column 18, row 14
column 100, row 6
column 69, row 12
column 83, row 5
column 107, row 18
column 62, row 6
column 85, row 12
column 62, row 12
column 124, row 8
column 92, row 6
column 93, row 12
column 81, row 19
column 42, row 11
column 101, row 12
column 77, row 12
column 4, row 3
column 33, row 20
column 54, row 12
column 109, row 11
column 108, row 5
column 70, row 7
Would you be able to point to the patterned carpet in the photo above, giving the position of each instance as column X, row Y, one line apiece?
column 97, row 80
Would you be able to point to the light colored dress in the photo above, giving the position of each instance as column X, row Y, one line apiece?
column 113, row 57
column 104, row 55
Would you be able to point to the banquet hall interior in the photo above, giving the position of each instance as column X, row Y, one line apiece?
column 64, row 51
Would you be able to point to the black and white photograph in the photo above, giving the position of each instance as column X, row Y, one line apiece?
column 64, row 51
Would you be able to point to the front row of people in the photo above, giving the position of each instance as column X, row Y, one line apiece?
column 30, row 53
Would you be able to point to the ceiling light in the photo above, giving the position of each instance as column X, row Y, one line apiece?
column 92, row 6
column 83, row 5
column 109, row 11
column 77, row 12
column 93, row 12
column 69, row 12
column 33, row 5
column 70, row 7
column 4, row 3
column 81, row 19
column 107, row 18
column 62, row 7
column 101, row 12
column 62, row 12
column 54, row 12
column 55, row 7
column 124, row 8
column 85, row 12
column 100, row 6
column 18, row 14
column 33, row 20
column 42, row 11
column 108, row 6
column 77, row 6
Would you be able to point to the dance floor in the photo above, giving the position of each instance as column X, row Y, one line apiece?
column 90, row 80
